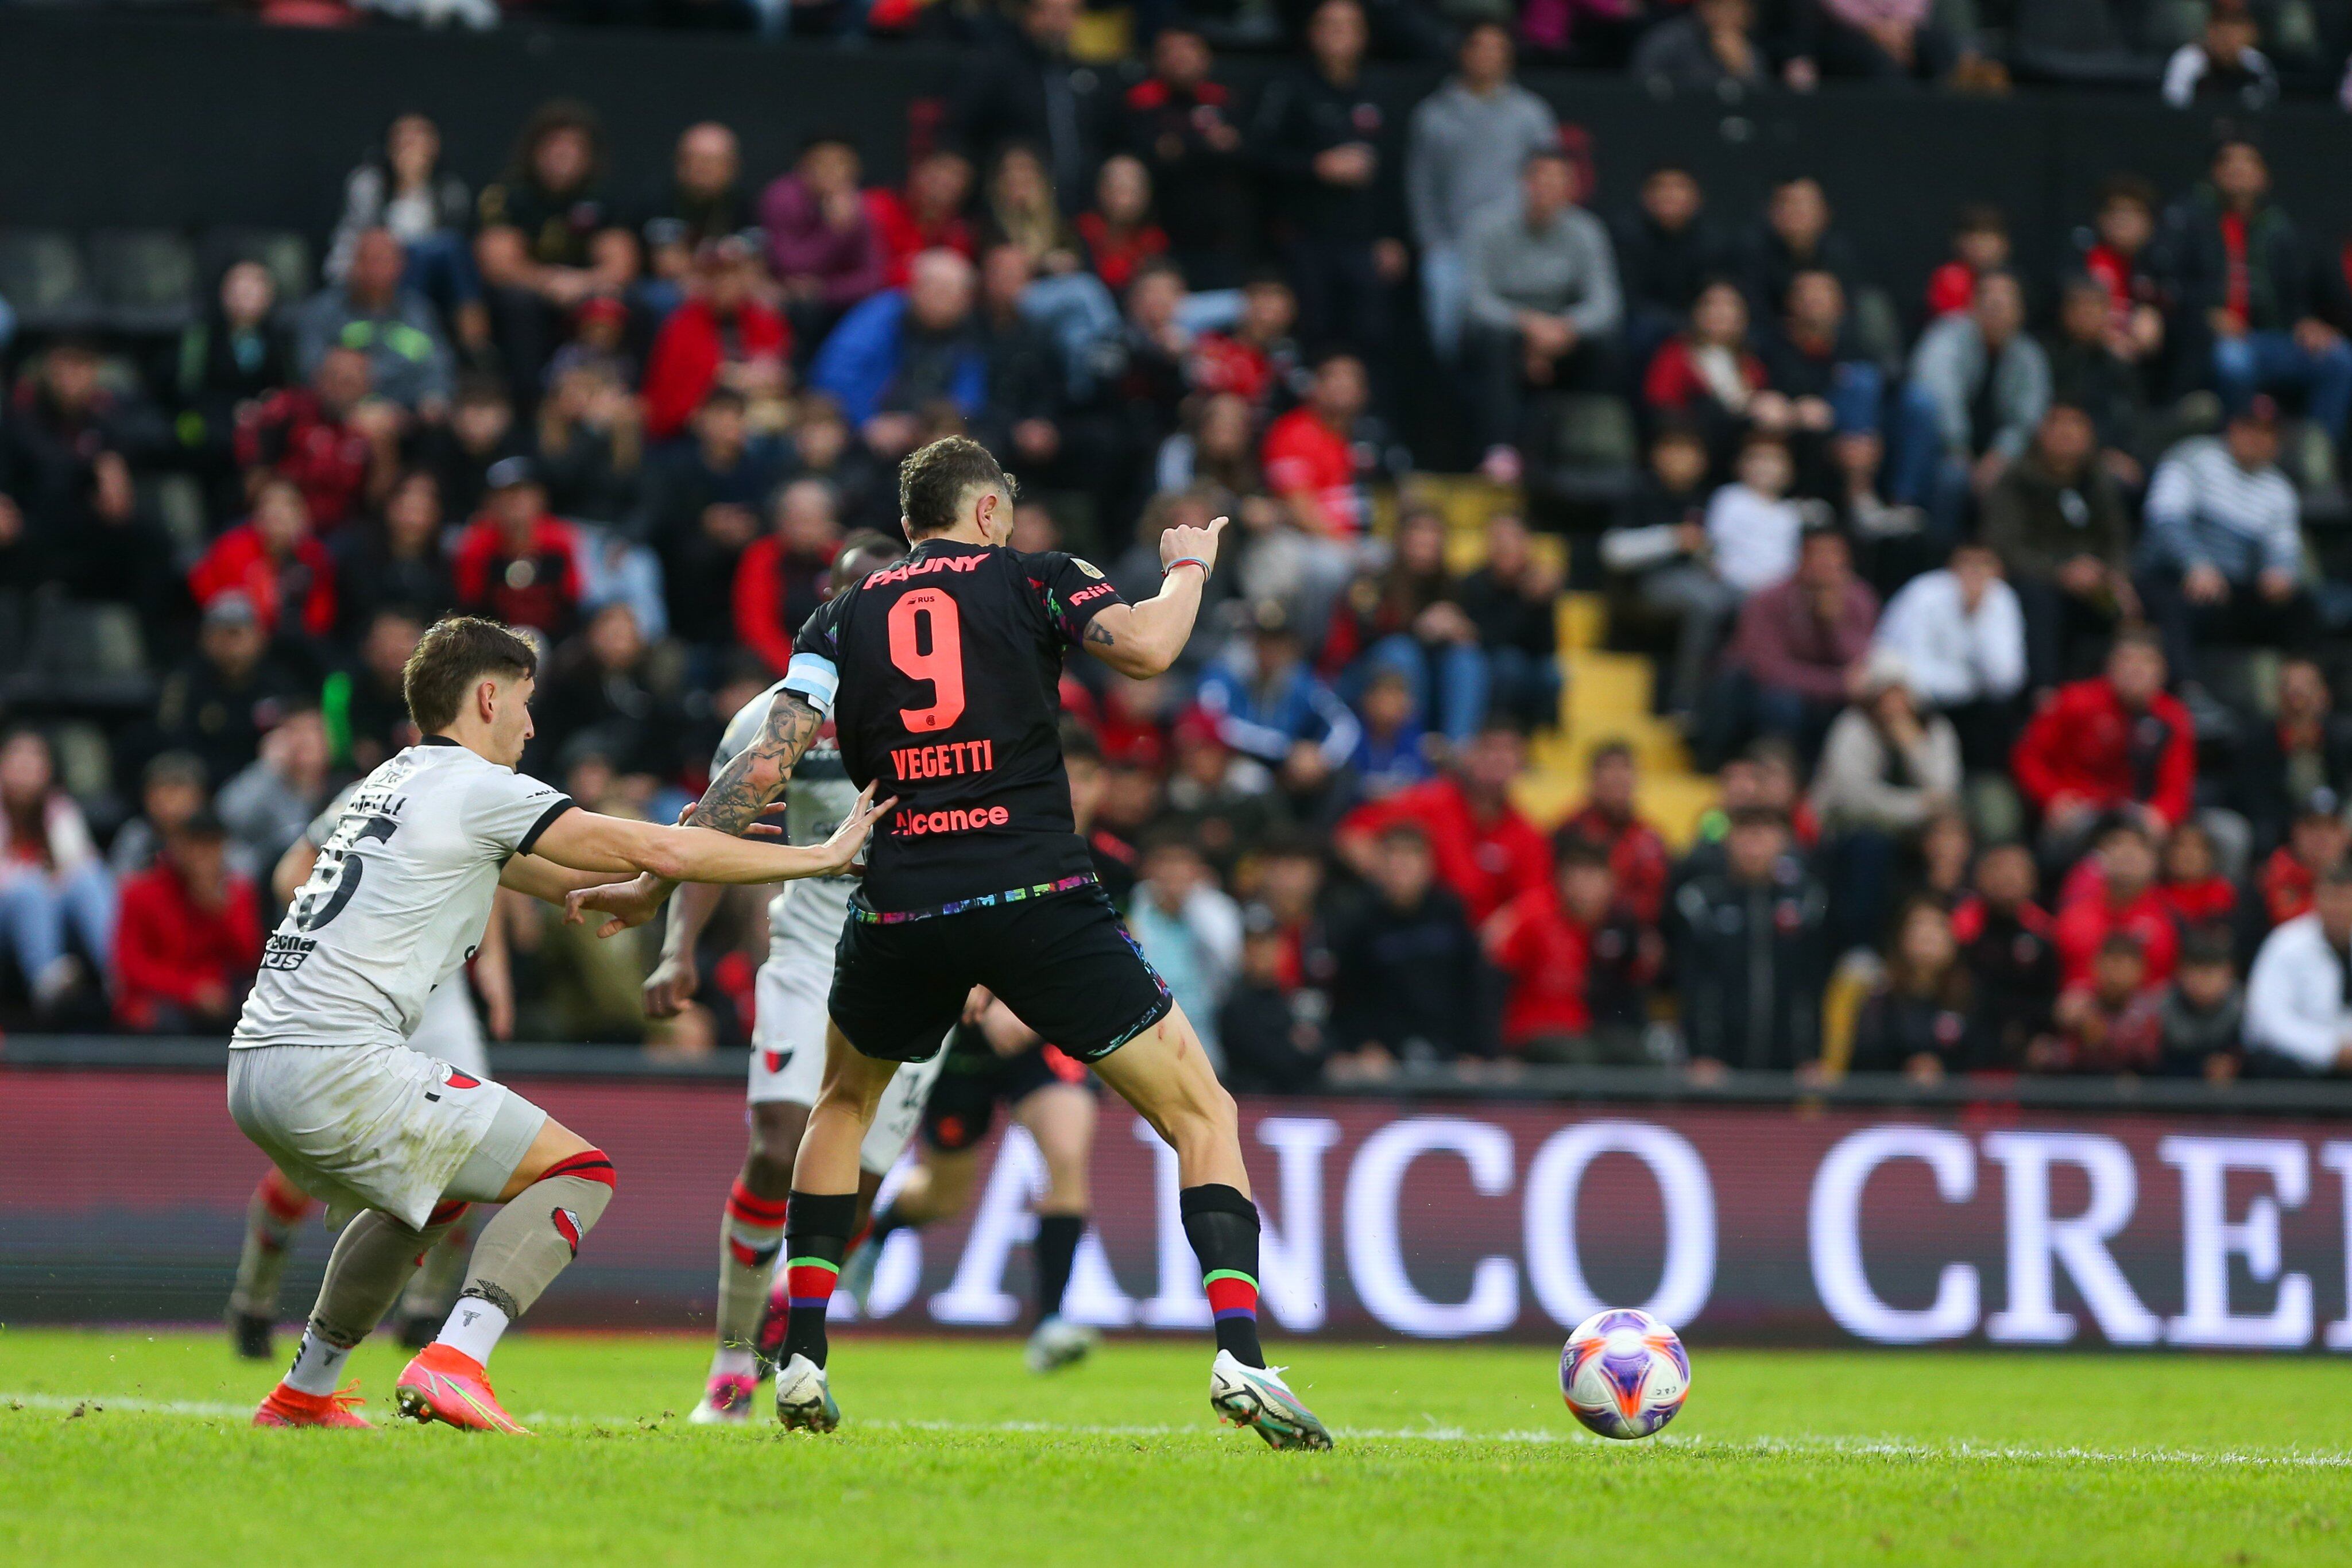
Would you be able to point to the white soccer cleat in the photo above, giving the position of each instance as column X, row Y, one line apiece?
column 727, row 1402
column 1057, row 1343
column 1256, row 1396
column 804, row 1398
column 856, row 1278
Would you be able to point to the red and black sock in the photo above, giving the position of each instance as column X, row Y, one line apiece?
column 1056, row 1249
column 1221, row 1225
column 816, row 1238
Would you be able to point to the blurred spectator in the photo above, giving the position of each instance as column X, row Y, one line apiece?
column 549, row 237
column 268, row 805
column 1222, row 803
column 1705, row 374
column 1879, row 41
column 783, row 575
column 703, row 200
column 1577, row 965
column 2056, row 519
column 1544, row 306
column 591, row 446
column 1961, row 637
column 1750, row 953
column 53, row 881
column 1980, row 246
column 1408, row 985
column 2298, row 998
column 1274, row 1033
column 1484, row 849
column 2307, row 745
column 2118, row 897
column 903, row 348
column 2243, row 273
column 1796, row 651
column 1825, row 390
column 1754, row 531
column 275, row 560
column 607, row 692
column 2096, row 367
column 1609, row 821
column 1712, row 47
column 1182, row 124
column 335, row 438
column 1666, row 250
column 1120, row 230
column 2117, row 742
column 171, row 790
column 1023, row 87
column 1885, row 766
column 1188, row 929
column 1921, row 1019
column 72, row 426
column 189, row 937
column 703, row 507
column 1513, row 599
column 1469, row 142
column 2224, row 545
column 481, row 430
column 2221, row 65
column 405, row 188
column 517, row 562
column 2004, row 937
column 1256, row 359
column 229, row 361
column 1408, row 617
column 1267, row 704
column 2117, row 253
column 2200, row 1017
column 396, row 559
column 2191, row 882
column 1665, row 547
column 722, row 335
column 1392, row 751
column 366, row 706
column 1310, row 454
column 1322, row 139
column 1981, row 384
column 221, row 699
column 2109, row 1016
column 370, row 309
column 823, row 244
column 1795, row 236
column 929, row 214
column 824, row 448
column 2316, row 837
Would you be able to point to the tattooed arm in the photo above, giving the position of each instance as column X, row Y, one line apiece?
column 1142, row 640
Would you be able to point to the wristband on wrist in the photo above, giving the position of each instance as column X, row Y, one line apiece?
column 1185, row 561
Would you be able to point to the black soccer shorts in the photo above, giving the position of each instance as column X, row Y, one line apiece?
column 1063, row 963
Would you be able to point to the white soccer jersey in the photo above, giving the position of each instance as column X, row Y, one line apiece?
column 397, row 900
column 806, row 916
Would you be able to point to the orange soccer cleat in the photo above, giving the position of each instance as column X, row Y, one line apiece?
column 292, row 1407
column 443, row 1384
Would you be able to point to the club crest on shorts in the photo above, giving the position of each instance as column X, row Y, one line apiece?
column 567, row 1224
column 452, row 1079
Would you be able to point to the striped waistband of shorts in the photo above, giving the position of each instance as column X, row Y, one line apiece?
column 860, row 912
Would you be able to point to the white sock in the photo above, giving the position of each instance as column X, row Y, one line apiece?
column 734, row 1361
column 474, row 1327
column 317, row 1365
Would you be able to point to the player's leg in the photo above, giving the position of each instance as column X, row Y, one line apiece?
column 554, row 1195
column 449, row 1031
column 272, row 1216
column 752, row 1235
column 955, row 1116
column 1060, row 1118
column 372, row 1260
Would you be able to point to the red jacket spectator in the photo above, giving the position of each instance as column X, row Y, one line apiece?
column 1305, row 458
column 1638, row 858
column 1222, row 363
column 776, row 591
column 2286, row 885
column 688, row 351
column 1547, row 954
column 2083, row 925
column 905, row 233
column 1486, row 862
column 292, row 433
column 2211, row 901
column 1952, row 289
column 299, row 587
column 176, row 954
column 531, row 583
column 1673, row 384
column 1116, row 253
column 2084, row 744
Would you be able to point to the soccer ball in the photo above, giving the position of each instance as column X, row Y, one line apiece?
column 1623, row 1372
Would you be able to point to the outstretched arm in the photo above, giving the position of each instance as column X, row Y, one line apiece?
column 1142, row 640
column 584, row 840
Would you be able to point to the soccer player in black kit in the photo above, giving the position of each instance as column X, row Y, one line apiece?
column 942, row 676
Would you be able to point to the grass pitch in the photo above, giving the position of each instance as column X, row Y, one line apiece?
column 130, row 1447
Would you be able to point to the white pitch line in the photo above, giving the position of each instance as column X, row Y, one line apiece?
column 1696, row 1443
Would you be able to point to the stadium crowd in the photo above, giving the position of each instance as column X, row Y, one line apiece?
column 1988, row 598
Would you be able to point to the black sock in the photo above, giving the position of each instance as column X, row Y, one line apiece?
column 1222, row 1225
column 1052, row 1252
column 816, row 1237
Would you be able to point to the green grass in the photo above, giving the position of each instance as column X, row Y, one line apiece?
column 129, row 1448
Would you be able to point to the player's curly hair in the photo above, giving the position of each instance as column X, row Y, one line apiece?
column 933, row 480
column 451, row 657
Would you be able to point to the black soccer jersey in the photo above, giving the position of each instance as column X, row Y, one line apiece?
column 943, row 676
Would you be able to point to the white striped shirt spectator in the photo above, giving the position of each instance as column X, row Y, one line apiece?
column 2205, row 509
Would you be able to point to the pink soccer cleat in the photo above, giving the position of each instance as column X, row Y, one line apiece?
column 292, row 1407
column 445, row 1384
column 727, row 1402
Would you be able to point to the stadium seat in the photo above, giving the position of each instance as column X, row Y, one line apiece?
column 145, row 279
column 82, row 655
column 43, row 279
column 286, row 254
column 178, row 503
column 1590, row 451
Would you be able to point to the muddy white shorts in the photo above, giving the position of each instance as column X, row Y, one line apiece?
column 383, row 1126
column 788, row 1058
column 449, row 1030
